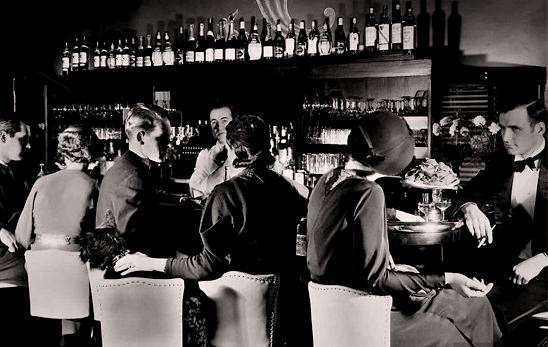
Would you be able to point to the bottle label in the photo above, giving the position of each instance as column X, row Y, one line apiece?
column 199, row 57
column 140, row 62
column 278, row 52
column 409, row 37
column 218, row 54
column 168, row 57
column 132, row 60
column 301, row 49
column 66, row 63
column 125, row 60
column 96, row 61
column 83, row 57
column 268, row 52
column 230, row 54
column 111, row 62
column 157, row 58
column 370, row 36
column 340, row 48
column 289, row 47
column 75, row 59
column 180, row 57
column 396, row 33
column 209, row 55
column 103, row 61
column 118, row 60
column 384, row 37
column 353, row 42
column 324, row 46
column 189, row 56
column 240, row 53
column 313, row 46
column 147, row 60
column 254, row 51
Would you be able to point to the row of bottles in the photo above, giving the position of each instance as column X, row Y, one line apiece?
column 321, row 134
column 381, row 35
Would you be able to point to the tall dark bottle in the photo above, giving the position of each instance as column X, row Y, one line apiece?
column 290, row 40
column 220, row 42
column 396, row 27
column 241, row 50
column 279, row 41
column 118, row 54
column 157, row 52
column 454, row 25
column 371, row 32
column 168, row 54
column 302, row 40
column 313, row 38
column 210, row 42
column 75, row 55
column 132, row 51
column 65, row 67
column 268, row 48
column 180, row 46
column 83, row 55
column 97, row 56
column 384, row 31
column 409, row 30
column 103, row 64
column 423, row 27
column 125, row 53
column 190, row 46
column 231, row 42
column 140, row 56
column 354, row 37
column 438, row 26
column 254, row 46
column 340, row 37
column 200, row 44
column 147, row 57
column 325, row 41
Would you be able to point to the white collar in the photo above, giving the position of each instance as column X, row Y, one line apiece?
column 537, row 151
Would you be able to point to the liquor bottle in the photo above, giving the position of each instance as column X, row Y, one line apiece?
column 231, row 43
column 118, row 54
column 220, row 42
column 409, row 30
column 147, row 58
column 454, row 25
column 125, row 54
column 83, row 54
column 290, row 40
column 210, row 42
column 324, row 43
column 242, row 42
column 313, row 38
column 104, row 56
column 396, row 32
column 254, row 47
column 111, row 60
column 65, row 66
column 168, row 55
column 179, row 46
column 279, row 41
column 302, row 40
column 268, row 49
column 75, row 56
column 354, row 37
column 340, row 37
column 384, row 31
column 438, row 26
column 157, row 52
column 200, row 44
column 140, row 57
column 423, row 27
column 97, row 56
column 371, row 32
column 132, row 51
column 190, row 46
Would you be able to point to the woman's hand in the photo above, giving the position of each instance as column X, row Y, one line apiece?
column 467, row 287
column 139, row 262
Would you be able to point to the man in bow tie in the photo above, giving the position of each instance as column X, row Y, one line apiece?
column 515, row 185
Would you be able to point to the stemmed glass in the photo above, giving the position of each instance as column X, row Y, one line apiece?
column 443, row 204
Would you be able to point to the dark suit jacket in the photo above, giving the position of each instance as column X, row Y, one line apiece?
column 128, row 191
column 493, row 186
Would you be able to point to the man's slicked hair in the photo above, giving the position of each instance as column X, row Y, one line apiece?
column 144, row 117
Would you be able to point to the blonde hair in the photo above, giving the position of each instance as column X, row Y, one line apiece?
column 144, row 117
column 78, row 143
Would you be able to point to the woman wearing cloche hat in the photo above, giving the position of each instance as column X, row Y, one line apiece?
column 348, row 245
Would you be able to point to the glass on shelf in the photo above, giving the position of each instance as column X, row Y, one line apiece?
column 406, row 108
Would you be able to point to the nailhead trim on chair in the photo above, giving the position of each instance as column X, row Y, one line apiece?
column 272, row 299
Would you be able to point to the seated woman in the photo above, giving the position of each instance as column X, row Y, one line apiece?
column 60, row 205
column 348, row 245
column 249, row 221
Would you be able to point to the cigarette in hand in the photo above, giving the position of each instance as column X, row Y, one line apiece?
column 484, row 239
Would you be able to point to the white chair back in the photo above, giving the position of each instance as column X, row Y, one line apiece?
column 141, row 312
column 246, row 307
column 342, row 316
column 58, row 284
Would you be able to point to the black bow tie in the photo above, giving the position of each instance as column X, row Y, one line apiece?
column 520, row 165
